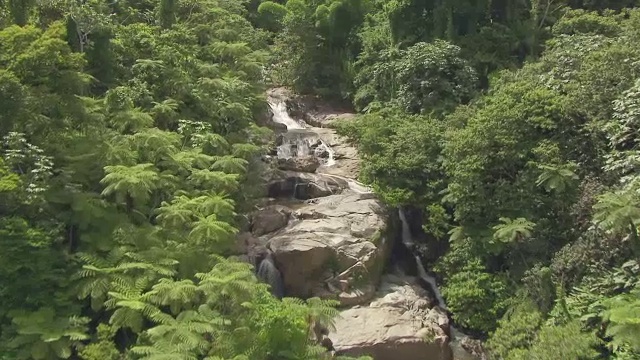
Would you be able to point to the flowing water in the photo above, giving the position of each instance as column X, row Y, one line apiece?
column 299, row 140
column 354, row 185
column 281, row 115
column 407, row 240
column 459, row 353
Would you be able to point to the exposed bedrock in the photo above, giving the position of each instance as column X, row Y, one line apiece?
column 400, row 323
column 303, row 186
column 333, row 246
column 321, row 233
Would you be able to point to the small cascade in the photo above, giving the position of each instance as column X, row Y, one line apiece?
column 330, row 154
column 407, row 238
column 422, row 273
column 268, row 273
column 281, row 115
column 354, row 185
column 299, row 141
column 408, row 241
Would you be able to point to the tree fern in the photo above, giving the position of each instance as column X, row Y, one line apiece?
column 623, row 315
column 556, row 178
column 245, row 151
column 208, row 229
column 177, row 214
column 186, row 332
column 322, row 311
column 95, row 277
column 230, row 164
column 148, row 66
column 230, row 51
column 619, row 213
column 214, row 180
column 130, row 306
column 154, row 145
column 131, row 121
column 137, row 181
column 187, row 160
column 43, row 334
column 177, row 295
column 511, row 231
column 212, row 143
column 218, row 204
column 119, row 151
column 167, row 107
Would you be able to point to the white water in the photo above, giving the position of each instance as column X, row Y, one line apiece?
column 295, row 145
column 354, row 185
column 332, row 155
column 281, row 115
column 407, row 240
column 456, row 335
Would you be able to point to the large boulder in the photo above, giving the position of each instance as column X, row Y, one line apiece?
column 269, row 219
column 398, row 324
column 306, row 164
column 334, row 248
column 303, row 186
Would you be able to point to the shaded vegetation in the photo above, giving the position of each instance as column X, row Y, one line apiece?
column 129, row 151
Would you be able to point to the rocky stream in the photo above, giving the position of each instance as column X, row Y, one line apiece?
column 322, row 233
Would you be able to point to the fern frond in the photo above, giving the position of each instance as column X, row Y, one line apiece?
column 210, row 229
column 138, row 181
column 245, row 151
column 230, row 164
column 216, row 180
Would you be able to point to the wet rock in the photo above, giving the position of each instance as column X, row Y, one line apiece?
column 266, row 120
column 313, row 190
column 396, row 325
column 269, row 219
column 303, row 186
column 347, row 162
column 466, row 348
column 249, row 247
column 307, row 164
column 353, row 297
column 439, row 317
column 321, row 152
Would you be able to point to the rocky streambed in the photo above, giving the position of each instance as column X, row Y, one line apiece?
column 321, row 233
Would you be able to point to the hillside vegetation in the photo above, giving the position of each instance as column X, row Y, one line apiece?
column 128, row 149
column 513, row 128
column 130, row 153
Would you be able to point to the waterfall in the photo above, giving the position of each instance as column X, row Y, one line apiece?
column 281, row 115
column 295, row 144
column 408, row 241
column 268, row 273
column 354, row 185
column 301, row 145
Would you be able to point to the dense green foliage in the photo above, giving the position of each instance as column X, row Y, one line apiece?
column 513, row 126
column 127, row 151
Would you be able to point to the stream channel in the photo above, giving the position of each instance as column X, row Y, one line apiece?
column 302, row 140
